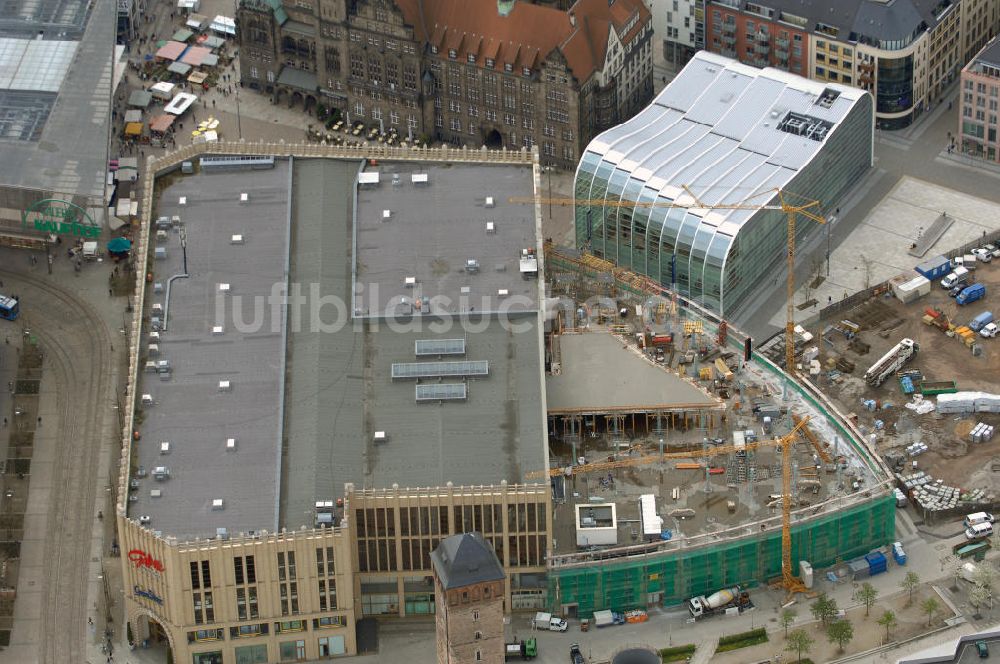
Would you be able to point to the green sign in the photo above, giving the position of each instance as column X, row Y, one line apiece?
column 51, row 215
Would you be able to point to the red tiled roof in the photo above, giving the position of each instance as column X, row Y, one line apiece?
column 527, row 35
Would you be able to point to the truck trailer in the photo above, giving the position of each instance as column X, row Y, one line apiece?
column 723, row 601
column 891, row 362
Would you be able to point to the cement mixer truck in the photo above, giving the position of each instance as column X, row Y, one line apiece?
column 727, row 600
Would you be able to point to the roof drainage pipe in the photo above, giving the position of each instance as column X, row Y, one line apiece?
column 166, row 304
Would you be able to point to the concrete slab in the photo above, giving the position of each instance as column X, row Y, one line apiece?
column 600, row 375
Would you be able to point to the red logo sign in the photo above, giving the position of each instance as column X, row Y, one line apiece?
column 143, row 559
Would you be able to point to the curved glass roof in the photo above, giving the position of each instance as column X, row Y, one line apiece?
column 724, row 130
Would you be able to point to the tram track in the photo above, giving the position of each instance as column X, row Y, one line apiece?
column 78, row 368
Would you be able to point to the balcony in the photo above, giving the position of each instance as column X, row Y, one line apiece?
column 728, row 52
column 781, row 53
column 729, row 29
column 729, row 39
column 760, row 62
column 782, row 43
column 762, row 48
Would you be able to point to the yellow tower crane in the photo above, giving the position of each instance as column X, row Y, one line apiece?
column 788, row 579
column 788, row 203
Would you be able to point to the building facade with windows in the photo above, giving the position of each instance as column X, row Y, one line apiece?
column 511, row 74
column 727, row 134
column 678, row 28
column 978, row 104
column 904, row 53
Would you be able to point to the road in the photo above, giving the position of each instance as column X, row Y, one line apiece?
column 58, row 587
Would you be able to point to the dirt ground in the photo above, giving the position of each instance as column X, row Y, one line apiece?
column 867, row 633
column 885, row 321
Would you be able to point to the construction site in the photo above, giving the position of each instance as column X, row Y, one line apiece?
column 672, row 451
column 930, row 411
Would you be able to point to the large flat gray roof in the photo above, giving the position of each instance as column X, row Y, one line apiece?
column 340, row 390
column 54, row 119
column 599, row 375
column 434, row 229
column 190, row 411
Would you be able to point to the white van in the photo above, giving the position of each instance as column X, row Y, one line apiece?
column 979, row 531
column 976, row 518
column 959, row 275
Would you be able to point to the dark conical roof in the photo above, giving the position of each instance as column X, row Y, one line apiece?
column 464, row 560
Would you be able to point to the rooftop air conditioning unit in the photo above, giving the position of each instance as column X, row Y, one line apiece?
column 224, row 288
column 147, row 399
column 225, row 386
column 244, row 197
column 217, row 504
column 230, row 444
column 381, row 437
column 491, row 228
column 183, row 200
column 161, row 473
column 217, row 329
column 153, row 349
column 490, row 203
column 164, row 447
column 410, row 282
column 237, row 239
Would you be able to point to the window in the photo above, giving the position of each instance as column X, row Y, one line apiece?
column 199, row 616
column 394, row 117
column 329, row 621
column 479, row 656
column 490, row 62
column 478, row 636
column 455, row 124
column 471, row 58
column 251, row 654
column 241, row 603
column 289, row 626
column 195, row 577
column 491, row 115
column 508, row 118
column 508, row 67
column 247, row 631
column 253, row 602
column 475, row 616
column 291, row 651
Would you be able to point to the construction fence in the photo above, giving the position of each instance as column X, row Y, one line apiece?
column 672, row 578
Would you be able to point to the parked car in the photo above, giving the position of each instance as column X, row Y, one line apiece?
column 956, row 290
column 983, row 649
column 982, row 255
column 989, row 331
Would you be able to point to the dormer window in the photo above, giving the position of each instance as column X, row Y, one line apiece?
column 434, row 49
column 508, row 66
column 490, row 62
column 472, row 58
column 526, row 71
column 452, row 53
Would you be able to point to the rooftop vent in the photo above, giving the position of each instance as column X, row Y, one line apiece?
column 244, row 197
column 224, row 288
column 183, row 200
column 490, row 203
column 237, row 239
column 218, row 504
column 490, row 228
column 805, row 125
column 230, row 444
column 381, row 437
column 225, row 386
column 164, row 447
column 827, row 97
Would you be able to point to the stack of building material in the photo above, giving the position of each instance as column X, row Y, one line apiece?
column 981, row 433
column 968, row 402
column 930, row 494
column 916, row 449
column 965, row 334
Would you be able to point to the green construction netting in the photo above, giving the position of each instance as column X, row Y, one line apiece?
column 676, row 576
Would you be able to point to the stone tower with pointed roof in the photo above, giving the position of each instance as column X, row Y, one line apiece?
column 469, row 591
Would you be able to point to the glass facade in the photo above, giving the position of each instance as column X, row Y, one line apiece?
column 894, row 90
column 715, row 257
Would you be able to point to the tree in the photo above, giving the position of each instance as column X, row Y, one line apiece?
column 867, row 594
column 930, row 606
column 787, row 618
column 980, row 595
column 840, row 632
column 986, row 578
column 889, row 621
column 823, row 608
column 909, row 584
column 799, row 642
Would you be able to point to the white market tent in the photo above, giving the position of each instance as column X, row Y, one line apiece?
column 179, row 104
column 224, row 25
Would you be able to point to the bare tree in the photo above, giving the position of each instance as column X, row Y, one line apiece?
column 867, row 264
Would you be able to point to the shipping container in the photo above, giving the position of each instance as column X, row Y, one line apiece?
column 934, row 268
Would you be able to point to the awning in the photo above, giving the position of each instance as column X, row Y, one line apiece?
column 163, row 89
column 171, row 50
column 196, row 21
column 133, row 128
column 197, row 77
column 119, row 245
column 181, row 103
column 161, row 123
column 296, row 78
column 211, row 60
column 140, row 98
column 211, row 41
column 182, row 35
column 179, row 68
column 195, row 55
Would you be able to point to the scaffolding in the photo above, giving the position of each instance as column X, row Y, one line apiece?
column 675, row 576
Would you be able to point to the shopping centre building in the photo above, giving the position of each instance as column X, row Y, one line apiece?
column 720, row 134
column 347, row 360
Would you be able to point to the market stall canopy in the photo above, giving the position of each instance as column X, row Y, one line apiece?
column 195, row 55
column 189, row 5
column 179, row 68
column 133, row 115
column 197, row 77
column 163, row 89
column 211, row 41
column 161, row 123
column 224, row 25
column 182, row 35
column 119, row 245
column 140, row 98
column 171, row 50
column 133, row 128
column 209, row 136
column 211, row 60
column 181, row 103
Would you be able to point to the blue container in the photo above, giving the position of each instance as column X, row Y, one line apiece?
column 898, row 554
column 877, row 563
column 934, row 268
